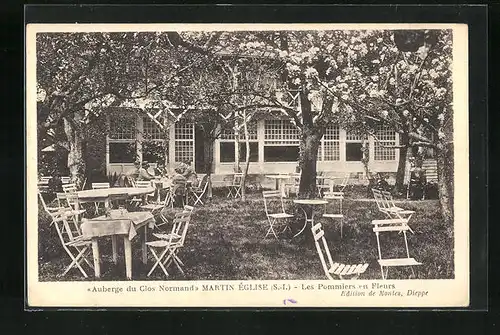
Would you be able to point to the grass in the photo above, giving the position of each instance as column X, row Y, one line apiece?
column 226, row 241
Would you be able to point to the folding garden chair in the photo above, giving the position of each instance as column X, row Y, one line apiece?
column 164, row 220
column 51, row 211
column 293, row 184
column 345, row 182
column 199, row 190
column 65, row 180
column 72, row 242
column 235, row 186
column 97, row 186
column 165, row 249
column 67, row 202
column 69, row 188
column 334, row 209
column 393, row 225
column 137, row 200
column 343, row 271
column 394, row 212
column 275, row 210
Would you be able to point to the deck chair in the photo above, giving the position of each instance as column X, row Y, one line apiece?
column 199, row 190
column 275, row 210
column 165, row 249
column 393, row 225
column 343, row 271
column 72, row 242
column 234, row 189
column 97, row 186
column 334, row 208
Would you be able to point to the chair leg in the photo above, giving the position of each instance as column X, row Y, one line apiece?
column 382, row 270
column 158, row 261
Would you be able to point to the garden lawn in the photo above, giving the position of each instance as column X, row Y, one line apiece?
column 226, row 241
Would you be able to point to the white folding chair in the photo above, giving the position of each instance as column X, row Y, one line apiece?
column 343, row 271
column 322, row 184
column 393, row 225
column 72, row 242
column 51, row 211
column 69, row 188
column 334, row 208
column 345, row 182
column 199, row 191
column 168, row 245
column 293, row 184
column 137, row 200
column 394, row 212
column 234, row 189
column 65, row 180
column 275, row 210
column 98, row 186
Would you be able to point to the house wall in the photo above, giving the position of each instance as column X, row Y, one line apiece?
column 333, row 168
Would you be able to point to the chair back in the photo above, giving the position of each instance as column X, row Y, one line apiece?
column 345, row 181
column 387, row 197
column 377, row 194
column 188, row 208
column 65, row 180
column 237, row 179
column 180, row 226
column 97, row 186
column 44, row 179
column 50, row 211
column 322, row 248
column 273, row 202
column 334, row 197
column 69, row 188
column 67, row 200
column 67, row 230
column 179, row 186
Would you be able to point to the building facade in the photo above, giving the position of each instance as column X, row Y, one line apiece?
column 274, row 147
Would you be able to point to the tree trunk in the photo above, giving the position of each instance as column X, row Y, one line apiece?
column 76, row 163
column 445, row 181
column 247, row 157
column 310, row 144
column 208, row 153
column 404, row 141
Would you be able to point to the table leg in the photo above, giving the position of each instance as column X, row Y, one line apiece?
column 95, row 255
column 128, row 256
column 305, row 223
column 113, row 245
column 282, row 187
column 144, row 246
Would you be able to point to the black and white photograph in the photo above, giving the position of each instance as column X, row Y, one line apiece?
column 248, row 159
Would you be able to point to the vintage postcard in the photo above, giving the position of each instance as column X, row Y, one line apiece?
column 247, row 165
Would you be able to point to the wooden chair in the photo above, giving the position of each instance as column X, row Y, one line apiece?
column 199, row 190
column 51, row 211
column 394, row 212
column 234, row 189
column 334, row 209
column 343, row 271
column 393, row 225
column 168, row 245
column 65, row 180
column 275, row 210
column 98, row 186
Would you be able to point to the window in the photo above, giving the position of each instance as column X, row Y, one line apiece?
column 329, row 149
column 184, row 142
column 122, row 139
column 122, row 152
column 354, row 147
column 228, row 148
column 153, row 149
column 385, row 137
column 281, row 141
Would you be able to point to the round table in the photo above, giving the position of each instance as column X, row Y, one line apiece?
column 280, row 182
column 308, row 202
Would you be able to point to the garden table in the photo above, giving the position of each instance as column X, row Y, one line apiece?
column 280, row 182
column 104, row 195
column 119, row 223
column 308, row 202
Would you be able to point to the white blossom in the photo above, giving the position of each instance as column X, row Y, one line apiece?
column 440, row 135
column 384, row 113
column 406, row 112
